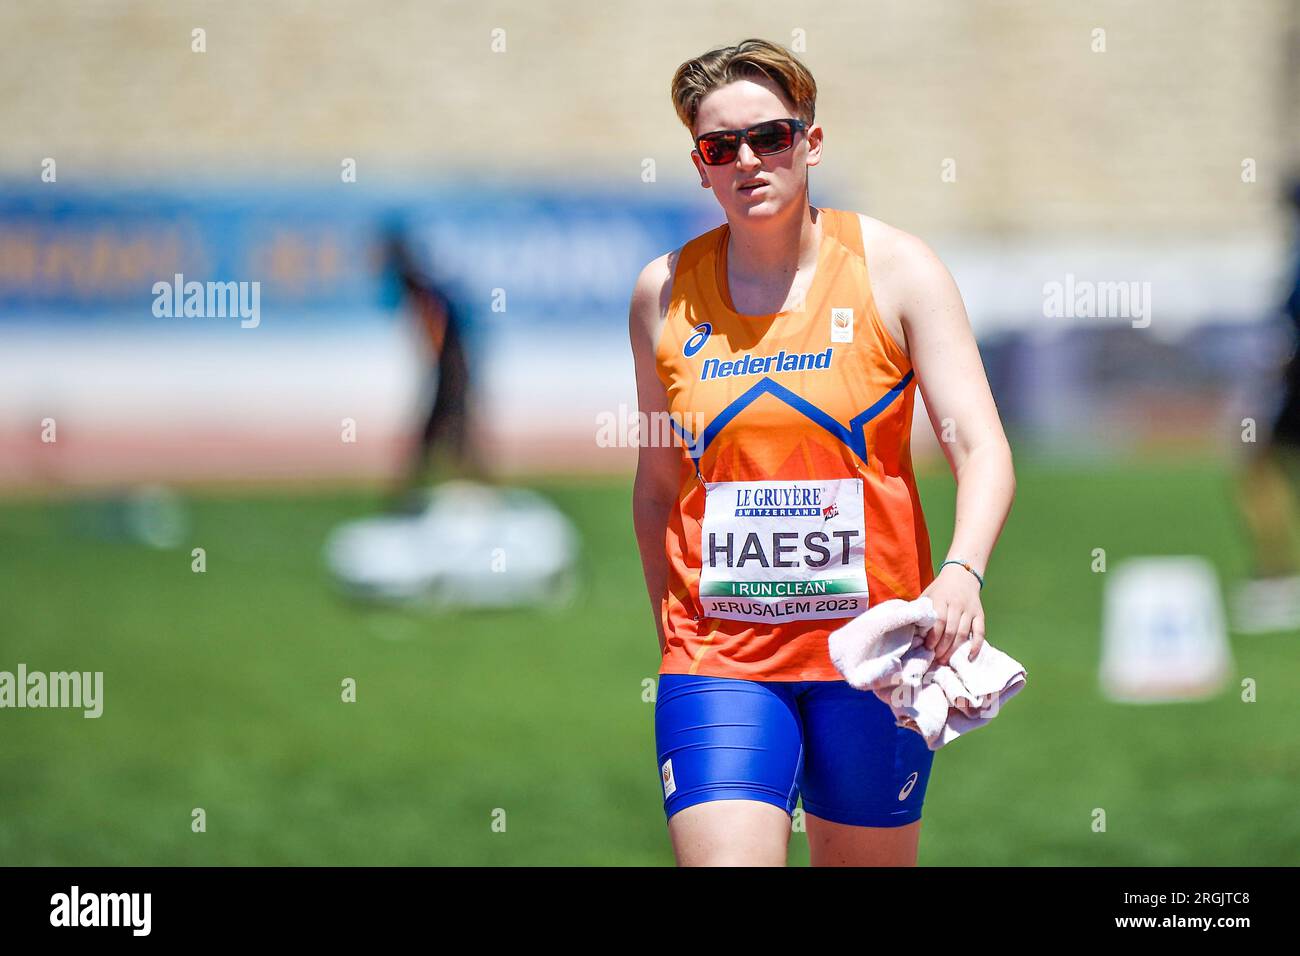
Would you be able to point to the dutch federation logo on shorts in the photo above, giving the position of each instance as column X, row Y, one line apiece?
column 670, row 785
column 841, row 325
column 696, row 341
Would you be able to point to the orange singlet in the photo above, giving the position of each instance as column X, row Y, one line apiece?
column 797, row 506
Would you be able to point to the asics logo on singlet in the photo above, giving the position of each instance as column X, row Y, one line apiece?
column 696, row 341
column 782, row 361
column 907, row 787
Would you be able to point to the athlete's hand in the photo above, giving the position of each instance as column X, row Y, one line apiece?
column 959, row 616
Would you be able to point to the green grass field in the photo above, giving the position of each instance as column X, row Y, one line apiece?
column 222, row 691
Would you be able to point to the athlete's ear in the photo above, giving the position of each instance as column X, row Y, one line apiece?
column 700, row 168
column 814, row 144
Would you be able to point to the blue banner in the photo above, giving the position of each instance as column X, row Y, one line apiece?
column 548, row 256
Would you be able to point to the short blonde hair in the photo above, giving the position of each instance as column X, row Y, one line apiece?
column 749, row 59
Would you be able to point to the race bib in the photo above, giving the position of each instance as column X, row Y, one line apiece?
column 779, row 551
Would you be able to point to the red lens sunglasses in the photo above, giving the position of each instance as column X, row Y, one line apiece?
column 765, row 139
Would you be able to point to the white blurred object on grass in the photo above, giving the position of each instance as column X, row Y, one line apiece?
column 1165, row 638
column 472, row 545
column 1267, row 605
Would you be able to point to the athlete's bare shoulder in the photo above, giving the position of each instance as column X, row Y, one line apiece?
column 897, row 263
column 881, row 234
column 650, row 298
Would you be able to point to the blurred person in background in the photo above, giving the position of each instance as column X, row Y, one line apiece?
column 1270, row 599
column 449, row 524
column 445, row 430
column 787, row 346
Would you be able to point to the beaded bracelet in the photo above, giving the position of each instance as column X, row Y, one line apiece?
column 968, row 568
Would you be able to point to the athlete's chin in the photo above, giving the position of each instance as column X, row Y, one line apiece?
column 759, row 207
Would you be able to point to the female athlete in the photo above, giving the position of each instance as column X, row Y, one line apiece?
column 785, row 348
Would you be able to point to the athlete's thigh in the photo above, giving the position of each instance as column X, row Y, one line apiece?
column 863, row 778
column 730, row 833
column 841, row 844
column 728, row 753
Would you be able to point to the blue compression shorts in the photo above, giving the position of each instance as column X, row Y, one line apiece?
column 722, row 738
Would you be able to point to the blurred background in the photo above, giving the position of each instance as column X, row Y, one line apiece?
column 203, row 489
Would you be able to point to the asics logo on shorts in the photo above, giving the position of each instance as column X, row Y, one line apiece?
column 907, row 787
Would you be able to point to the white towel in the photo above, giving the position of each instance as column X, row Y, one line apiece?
column 883, row 650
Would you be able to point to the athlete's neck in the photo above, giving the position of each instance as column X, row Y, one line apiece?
column 775, row 248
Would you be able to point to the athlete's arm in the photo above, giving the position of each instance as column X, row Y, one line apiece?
column 654, row 490
column 926, row 306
